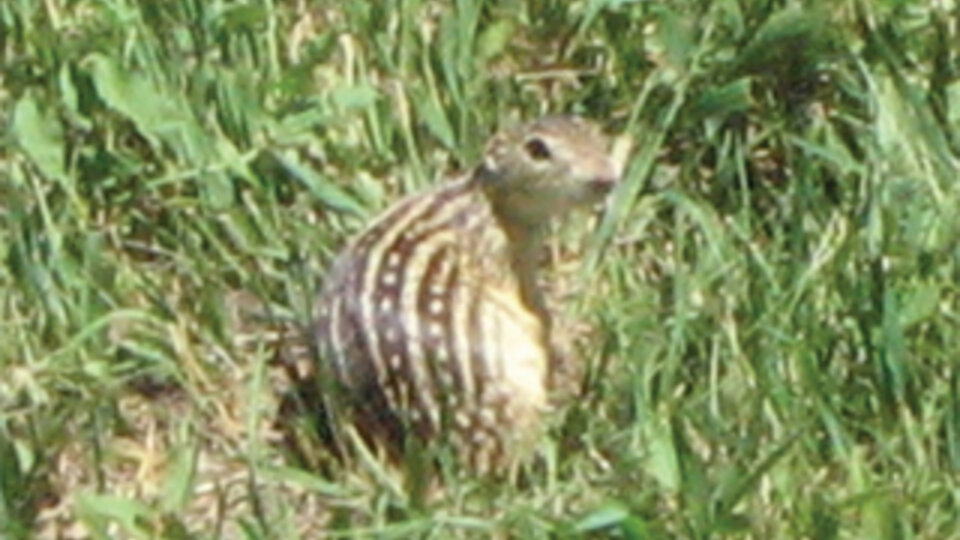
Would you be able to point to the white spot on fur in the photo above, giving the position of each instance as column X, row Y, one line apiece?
column 393, row 259
column 488, row 418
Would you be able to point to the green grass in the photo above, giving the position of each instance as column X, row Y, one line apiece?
column 773, row 289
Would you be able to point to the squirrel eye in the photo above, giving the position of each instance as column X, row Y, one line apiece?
column 537, row 149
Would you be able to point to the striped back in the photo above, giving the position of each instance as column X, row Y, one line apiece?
column 399, row 323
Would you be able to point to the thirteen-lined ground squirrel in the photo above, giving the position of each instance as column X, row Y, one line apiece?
column 432, row 323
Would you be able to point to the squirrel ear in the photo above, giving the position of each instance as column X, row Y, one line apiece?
column 487, row 172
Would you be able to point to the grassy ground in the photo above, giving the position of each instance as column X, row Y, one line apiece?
column 773, row 290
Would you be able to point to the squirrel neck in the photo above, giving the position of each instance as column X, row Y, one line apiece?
column 525, row 246
column 509, row 242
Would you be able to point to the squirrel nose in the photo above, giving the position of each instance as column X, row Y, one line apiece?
column 604, row 183
column 606, row 176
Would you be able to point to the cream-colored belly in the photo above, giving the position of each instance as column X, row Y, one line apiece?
column 516, row 368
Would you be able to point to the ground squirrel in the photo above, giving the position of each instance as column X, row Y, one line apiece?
column 431, row 322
